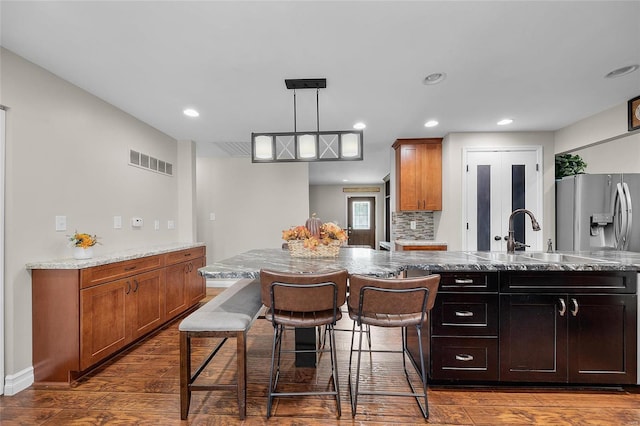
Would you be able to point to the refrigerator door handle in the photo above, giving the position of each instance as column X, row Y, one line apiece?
column 629, row 214
column 619, row 212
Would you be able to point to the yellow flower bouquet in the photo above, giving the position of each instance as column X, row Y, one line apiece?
column 83, row 240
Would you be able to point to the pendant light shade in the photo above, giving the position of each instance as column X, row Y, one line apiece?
column 263, row 148
column 307, row 146
column 350, row 147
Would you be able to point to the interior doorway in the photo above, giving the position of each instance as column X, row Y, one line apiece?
column 498, row 181
column 361, row 221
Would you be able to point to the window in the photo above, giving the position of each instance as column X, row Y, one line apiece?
column 361, row 215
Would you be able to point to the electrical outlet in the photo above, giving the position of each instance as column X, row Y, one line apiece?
column 137, row 222
column 156, row 225
column 117, row 222
column 413, row 224
column 171, row 224
column 212, row 216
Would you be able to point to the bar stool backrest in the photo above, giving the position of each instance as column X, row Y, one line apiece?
column 407, row 295
column 299, row 299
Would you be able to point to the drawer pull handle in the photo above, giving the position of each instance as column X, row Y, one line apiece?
column 130, row 268
column 464, row 313
column 464, row 357
column 187, row 254
column 464, row 281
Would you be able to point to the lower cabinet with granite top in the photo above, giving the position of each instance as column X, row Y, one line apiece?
column 81, row 317
column 570, row 327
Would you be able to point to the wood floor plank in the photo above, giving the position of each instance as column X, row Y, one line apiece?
column 141, row 387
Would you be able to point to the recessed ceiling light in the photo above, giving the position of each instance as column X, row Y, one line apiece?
column 622, row 71
column 359, row 125
column 505, row 121
column 345, row 180
column 190, row 112
column 434, row 78
column 431, row 123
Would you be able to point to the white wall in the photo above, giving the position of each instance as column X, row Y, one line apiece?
column 252, row 203
column 603, row 141
column 67, row 154
column 329, row 202
column 604, row 126
column 448, row 222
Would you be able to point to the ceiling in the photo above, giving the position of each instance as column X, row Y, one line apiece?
column 541, row 63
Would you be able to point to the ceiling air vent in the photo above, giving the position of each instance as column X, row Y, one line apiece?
column 235, row 149
column 147, row 162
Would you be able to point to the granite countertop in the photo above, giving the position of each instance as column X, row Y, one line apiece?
column 386, row 264
column 71, row 263
column 420, row 243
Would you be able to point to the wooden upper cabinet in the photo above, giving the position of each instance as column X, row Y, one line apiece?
column 419, row 174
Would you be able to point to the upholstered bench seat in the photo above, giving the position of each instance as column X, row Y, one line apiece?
column 230, row 314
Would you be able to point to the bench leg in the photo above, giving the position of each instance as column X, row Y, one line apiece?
column 185, row 374
column 241, row 351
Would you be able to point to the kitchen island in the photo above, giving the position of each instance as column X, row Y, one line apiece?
column 561, row 318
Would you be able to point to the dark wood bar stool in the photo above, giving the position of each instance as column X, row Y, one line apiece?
column 390, row 302
column 305, row 301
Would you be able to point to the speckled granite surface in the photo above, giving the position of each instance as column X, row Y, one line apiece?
column 386, row 264
column 71, row 263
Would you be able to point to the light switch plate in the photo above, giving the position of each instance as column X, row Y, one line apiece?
column 117, row 222
column 61, row 223
column 171, row 224
column 156, row 224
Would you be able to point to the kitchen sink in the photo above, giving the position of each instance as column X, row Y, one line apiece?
column 502, row 257
column 526, row 257
column 560, row 257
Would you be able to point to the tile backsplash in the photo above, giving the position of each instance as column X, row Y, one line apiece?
column 401, row 225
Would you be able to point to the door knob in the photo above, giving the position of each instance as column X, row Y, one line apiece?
column 497, row 238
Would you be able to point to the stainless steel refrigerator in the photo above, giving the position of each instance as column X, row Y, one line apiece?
column 595, row 212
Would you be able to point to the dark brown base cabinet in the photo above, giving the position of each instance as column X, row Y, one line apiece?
column 578, row 331
column 533, row 327
column 81, row 317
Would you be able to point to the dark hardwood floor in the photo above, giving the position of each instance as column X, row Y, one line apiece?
column 141, row 386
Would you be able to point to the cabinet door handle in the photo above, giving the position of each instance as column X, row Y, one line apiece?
column 186, row 269
column 464, row 357
column 136, row 287
column 190, row 266
column 563, row 307
column 464, row 313
column 128, row 287
column 463, row 281
column 574, row 310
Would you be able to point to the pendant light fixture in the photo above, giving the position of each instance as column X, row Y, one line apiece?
column 339, row 145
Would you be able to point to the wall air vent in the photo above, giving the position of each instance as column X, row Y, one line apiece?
column 147, row 162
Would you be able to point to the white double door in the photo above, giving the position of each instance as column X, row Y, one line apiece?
column 497, row 182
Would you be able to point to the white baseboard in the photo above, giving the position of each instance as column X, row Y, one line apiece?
column 14, row 383
column 221, row 283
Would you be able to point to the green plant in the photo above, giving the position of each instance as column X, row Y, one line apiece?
column 569, row 165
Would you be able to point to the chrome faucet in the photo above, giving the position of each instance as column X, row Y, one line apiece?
column 511, row 242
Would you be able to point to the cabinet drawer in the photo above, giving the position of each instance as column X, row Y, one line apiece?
column 468, row 281
column 465, row 315
column 470, row 359
column 184, row 255
column 101, row 274
column 568, row 281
